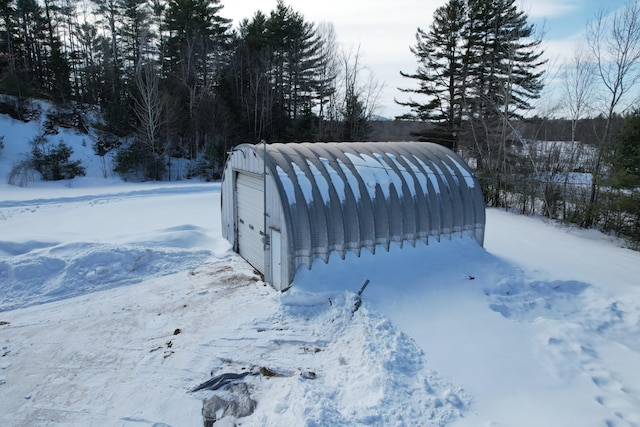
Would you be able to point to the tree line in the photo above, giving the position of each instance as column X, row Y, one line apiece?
column 174, row 77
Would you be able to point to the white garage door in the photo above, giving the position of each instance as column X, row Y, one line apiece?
column 250, row 202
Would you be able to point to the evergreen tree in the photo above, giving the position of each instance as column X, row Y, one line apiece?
column 198, row 35
column 30, row 48
column 136, row 34
column 8, row 59
column 277, row 76
column 58, row 73
column 626, row 160
column 196, row 53
column 53, row 162
column 503, row 59
column 626, row 180
column 476, row 61
column 246, row 90
column 87, row 60
column 32, row 58
column 115, row 102
column 294, row 64
column 441, row 73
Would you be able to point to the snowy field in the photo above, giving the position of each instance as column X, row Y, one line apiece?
column 117, row 300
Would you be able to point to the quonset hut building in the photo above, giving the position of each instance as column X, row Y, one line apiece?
column 286, row 205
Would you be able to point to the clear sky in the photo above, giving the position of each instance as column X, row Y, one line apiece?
column 385, row 30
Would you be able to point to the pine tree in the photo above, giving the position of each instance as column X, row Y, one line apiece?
column 86, row 59
column 196, row 54
column 504, row 77
column 626, row 161
column 295, row 62
column 503, row 57
column 197, row 33
column 114, row 96
column 441, row 73
column 30, row 51
column 137, row 35
column 477, row 61
column 246, row 90
column 8, row 59
column 58, row 74
column 276, row 76
column 625, row 179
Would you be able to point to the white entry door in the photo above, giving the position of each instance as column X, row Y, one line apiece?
column 250, row 221
column 276, row 260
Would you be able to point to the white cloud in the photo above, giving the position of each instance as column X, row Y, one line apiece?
column 549, row 8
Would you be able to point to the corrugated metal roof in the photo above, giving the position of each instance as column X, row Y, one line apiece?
column 348, row 196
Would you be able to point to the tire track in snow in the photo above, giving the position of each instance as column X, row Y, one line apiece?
column 102, row 198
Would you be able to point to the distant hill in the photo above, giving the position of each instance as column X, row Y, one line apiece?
column 395, row 130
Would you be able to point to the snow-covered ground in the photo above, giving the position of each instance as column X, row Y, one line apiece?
column 118, row 299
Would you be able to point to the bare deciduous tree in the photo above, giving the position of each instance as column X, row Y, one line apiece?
column 614, row 41
column 329, row 69
column 360, row 96
column 148, row 107
column 577, row 88
column 578, row 95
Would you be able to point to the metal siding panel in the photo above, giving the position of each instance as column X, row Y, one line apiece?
column 280, row 206
column 425, row 215
column 333, row 207
column 397, row 189
column 352, row 220
column 467, row 214
column 344, row 209
column 379, row 210
column 457, row 205
column 381, row 217
column 444, row 200
column 405, row 207
column 318, row 214
column 364, row 203
column 301, row 225
column 473, row 200
column 412, row 196
column 430, row 211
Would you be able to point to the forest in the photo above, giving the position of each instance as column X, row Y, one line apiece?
column 159, row 79
column 176, row 79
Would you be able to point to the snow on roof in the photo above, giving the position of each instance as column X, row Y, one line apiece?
column 413, row 191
